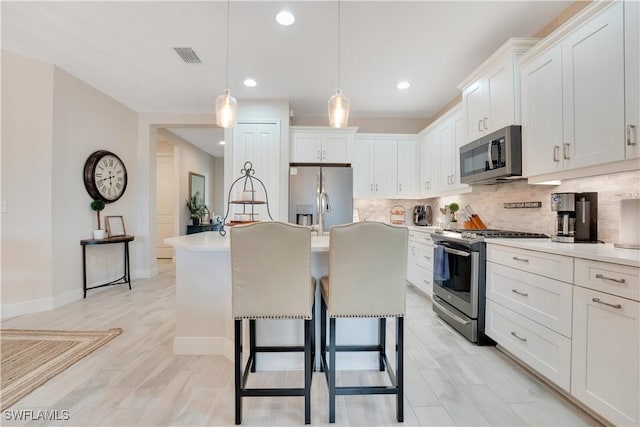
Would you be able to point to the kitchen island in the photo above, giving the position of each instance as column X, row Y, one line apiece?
column 204, row 323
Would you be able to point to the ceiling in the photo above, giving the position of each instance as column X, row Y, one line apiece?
column 125, row 49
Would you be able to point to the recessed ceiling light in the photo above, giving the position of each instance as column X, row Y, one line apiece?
column 403, row 85
column 221, row 142
column 285, row 18
column 250, row 83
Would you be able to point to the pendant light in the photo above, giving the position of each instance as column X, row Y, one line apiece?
column 226, row 105
column 338, row 103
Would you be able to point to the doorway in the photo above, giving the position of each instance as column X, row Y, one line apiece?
column 165, row 199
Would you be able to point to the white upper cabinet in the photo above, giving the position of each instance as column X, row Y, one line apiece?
column 632, row 78
column 593, row 91
column 375, row 167
column 450, row 139
column 491, row 95
column 320, row 145
column 542, row 113
column 385, row 166
column 440, row 155
column 408, row 167
column 574, row 99
column 428, row 164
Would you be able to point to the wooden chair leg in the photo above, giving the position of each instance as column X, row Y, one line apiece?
column 400, row 369
column 237, row 353
column 382, row 340
column 332, row 370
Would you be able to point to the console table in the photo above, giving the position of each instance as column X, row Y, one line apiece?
column 126, row 277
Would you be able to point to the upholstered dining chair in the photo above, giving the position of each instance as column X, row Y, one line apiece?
column 367, row 279
column 271, row 279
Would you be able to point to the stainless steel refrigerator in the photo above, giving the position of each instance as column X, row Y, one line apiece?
column 315, row 186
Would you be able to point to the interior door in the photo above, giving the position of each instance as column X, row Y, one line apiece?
column 259, row 143
column 165, row 205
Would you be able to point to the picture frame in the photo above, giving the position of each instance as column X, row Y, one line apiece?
column 196, row 185
column 115, row 226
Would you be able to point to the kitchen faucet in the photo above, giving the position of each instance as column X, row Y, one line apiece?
column 324, row 205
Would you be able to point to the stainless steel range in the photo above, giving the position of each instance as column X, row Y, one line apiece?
column 459, row 278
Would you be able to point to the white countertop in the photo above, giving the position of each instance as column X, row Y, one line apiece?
column 213, row 241
column 425, row 228
column 605, row 252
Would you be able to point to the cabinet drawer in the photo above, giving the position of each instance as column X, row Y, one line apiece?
column 554, row 266
column 423, row 280
column 546, row 351
column 615, row 279
column 543, row 300
column 420, row 237
column 424, row 256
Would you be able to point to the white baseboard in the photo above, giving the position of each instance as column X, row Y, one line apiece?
column 203, row 345
column 26, row 307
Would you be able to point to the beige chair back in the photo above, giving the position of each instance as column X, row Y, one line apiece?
column 271, row 271
column 367, row 270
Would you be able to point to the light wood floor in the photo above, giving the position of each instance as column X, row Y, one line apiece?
column 137, row 380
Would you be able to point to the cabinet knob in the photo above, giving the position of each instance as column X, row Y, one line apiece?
column 520, row 259
column 479, row 125
column 556, row 153
column 484, row 123
column 566, row 153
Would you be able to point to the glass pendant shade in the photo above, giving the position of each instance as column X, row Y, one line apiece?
column 338, row 110
column 226, row 110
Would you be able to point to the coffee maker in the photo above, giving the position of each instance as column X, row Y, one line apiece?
column 577, row 218
column 422, row 215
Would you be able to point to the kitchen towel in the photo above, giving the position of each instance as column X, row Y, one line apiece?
column 441, row 264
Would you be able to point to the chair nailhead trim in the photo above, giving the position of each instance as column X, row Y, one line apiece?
column 302, row 316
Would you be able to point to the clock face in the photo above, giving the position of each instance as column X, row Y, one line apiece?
column 105, row 176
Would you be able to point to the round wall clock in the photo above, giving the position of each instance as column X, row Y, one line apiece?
column 105, row 176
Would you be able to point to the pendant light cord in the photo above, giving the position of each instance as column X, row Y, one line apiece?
column 228, row 13
column 339, row 87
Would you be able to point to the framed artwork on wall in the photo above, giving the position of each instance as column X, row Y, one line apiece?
column 196, row 186
column 115, row 226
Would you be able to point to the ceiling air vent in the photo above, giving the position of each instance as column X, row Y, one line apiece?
column 188, row 55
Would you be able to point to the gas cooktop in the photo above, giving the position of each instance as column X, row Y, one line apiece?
column 499, row 234
column 502, row 233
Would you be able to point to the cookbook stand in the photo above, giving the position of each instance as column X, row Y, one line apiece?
column 246, row 179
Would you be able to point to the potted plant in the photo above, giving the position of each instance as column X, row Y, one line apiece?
column 453, row 208
column 196, row 208
column 98, row 205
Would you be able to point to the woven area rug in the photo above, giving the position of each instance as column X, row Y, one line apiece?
column 29, row 358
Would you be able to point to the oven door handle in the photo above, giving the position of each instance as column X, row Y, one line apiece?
column 450, row 313
column 457, row 252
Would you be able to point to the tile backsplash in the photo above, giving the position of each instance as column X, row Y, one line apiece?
column 488, row 202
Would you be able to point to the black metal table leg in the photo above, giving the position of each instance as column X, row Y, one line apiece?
column 84, row 269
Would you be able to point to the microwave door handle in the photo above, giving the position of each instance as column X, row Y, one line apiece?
column 489, row 155
column 457, row 252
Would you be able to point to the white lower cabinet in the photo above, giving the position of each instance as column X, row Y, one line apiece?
column 575, row 321
column 542, row 300
column 604, row 365
column 420, row 261
column 539, row 347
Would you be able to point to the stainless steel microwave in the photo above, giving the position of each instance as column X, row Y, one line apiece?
column 494, row 158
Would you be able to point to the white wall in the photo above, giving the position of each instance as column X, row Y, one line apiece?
column 27, row 126
column 52, row 123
